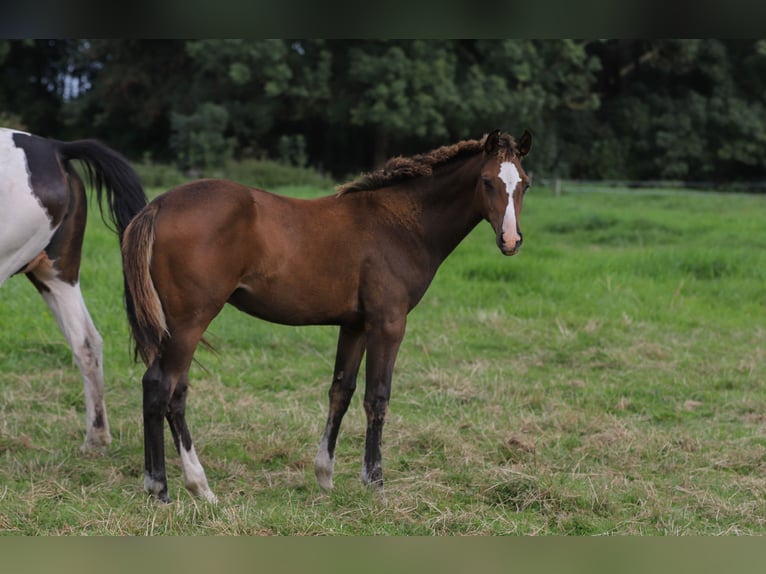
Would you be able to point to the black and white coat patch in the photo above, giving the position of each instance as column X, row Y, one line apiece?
column 26, row 226
column 43, row 211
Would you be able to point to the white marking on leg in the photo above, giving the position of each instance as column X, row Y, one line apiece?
column 366, row 479
column 380, row 491
column 68, row 307
column 194, row 475
column 25, row 227
column 324, row 464
column 152, row 486
column 510, row 175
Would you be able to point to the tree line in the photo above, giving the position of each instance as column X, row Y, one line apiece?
column 687, row 110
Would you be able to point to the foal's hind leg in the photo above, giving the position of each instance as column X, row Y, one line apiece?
column 165, row 386
column 194, row 475
column 347, row 360
column 66, row 302
column 156, row 397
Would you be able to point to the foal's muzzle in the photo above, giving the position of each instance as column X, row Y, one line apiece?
column 509, row 249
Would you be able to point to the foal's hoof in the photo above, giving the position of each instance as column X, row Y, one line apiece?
column 378, row 491
column 162, row 497
column 375, row 483
column 157, row 488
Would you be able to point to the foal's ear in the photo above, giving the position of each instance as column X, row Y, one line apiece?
column 525, row 143
column 491, row 143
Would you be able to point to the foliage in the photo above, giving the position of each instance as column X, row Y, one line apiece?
column 688, row 109
column 135, row 86
column 157, row 175
column 198, row 138
column 262, row 173
column 292, row 150
column 247, row 77
column 270, row 175
column 691, row 109
column 8, row 120
column 607, row 380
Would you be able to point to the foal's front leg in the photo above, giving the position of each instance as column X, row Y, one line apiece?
column 347, row 360
column 383, row 340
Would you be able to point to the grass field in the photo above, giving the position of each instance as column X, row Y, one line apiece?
column 611, row 379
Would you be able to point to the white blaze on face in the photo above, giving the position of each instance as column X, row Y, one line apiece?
column 510, row 176
column 25, row 228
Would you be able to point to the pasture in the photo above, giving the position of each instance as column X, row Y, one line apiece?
column 610, row 379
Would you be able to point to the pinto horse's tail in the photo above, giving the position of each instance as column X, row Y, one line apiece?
column 110, row 174
column 144, row 309
column 113, row 179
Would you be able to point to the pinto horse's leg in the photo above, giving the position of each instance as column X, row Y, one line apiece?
column 68, row 307
column 194, row 475
column 383, row 341
column 347, row 360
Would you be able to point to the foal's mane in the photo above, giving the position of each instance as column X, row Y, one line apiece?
column 399, row 169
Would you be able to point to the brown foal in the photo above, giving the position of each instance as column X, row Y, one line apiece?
column 360, row 259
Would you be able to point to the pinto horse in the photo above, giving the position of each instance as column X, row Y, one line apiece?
column 360, row 259
column 42, row 224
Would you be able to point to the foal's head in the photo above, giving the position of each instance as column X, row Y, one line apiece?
column 502, row 185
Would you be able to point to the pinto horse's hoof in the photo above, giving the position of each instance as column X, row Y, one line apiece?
column 96, row 441
column 205, row 493
column 323, row 469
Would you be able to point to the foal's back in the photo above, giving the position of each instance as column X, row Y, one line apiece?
column 282, row 259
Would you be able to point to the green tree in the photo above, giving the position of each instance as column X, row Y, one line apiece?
column 401, row 89
column 249, row 78
column 544, row 85
column 198, row 139
column 34, row 78
column 7, row 118
column 684, row 109
column 634, row 109
column 135, row 86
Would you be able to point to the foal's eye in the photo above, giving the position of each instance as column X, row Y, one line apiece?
column 487, row 183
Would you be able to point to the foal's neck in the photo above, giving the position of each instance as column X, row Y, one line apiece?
column 450, row 209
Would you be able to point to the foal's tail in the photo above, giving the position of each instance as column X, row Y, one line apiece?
column 110, row 174
column 145, row 314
